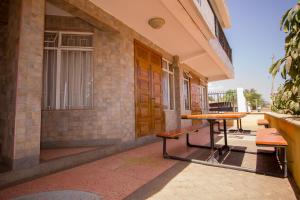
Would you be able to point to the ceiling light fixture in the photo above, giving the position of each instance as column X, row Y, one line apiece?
column 156, row 22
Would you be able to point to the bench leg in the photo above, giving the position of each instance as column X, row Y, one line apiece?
column 210, row 163
column 284, row 163
column 276, row 152
column 165, row 154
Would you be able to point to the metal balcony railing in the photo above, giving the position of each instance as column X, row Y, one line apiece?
column 222, row 101
column 220, row 34
column 222, row 39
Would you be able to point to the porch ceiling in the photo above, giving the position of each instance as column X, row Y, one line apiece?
column 179, row 36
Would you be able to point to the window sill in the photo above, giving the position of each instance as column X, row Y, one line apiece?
column 65, row 110
column 168, row 110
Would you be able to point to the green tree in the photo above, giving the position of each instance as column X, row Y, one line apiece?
column 254, row 98
column 230, row 96
column 287, row 99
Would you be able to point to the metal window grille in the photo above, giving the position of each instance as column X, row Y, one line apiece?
column 168, row 85
column 68, row 70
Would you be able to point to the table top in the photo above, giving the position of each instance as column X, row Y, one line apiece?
column 215, row 116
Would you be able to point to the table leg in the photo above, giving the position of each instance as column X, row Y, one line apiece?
column 240, row 120
column 237, row 125
column 225, row 133
column 212, row 142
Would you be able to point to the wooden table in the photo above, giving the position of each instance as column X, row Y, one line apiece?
column 211, row 118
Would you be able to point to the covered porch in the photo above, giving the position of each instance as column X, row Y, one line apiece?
column 142, row 173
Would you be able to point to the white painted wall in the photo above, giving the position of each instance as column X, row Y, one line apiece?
column 207, row 13
column 241, row 100
column 229, row 69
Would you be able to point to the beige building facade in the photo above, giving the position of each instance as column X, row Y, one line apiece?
column 94, row 72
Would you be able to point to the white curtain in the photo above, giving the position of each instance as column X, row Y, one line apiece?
column 76, row 79
column 68, row 74
column 49, row 84
column 165, row 87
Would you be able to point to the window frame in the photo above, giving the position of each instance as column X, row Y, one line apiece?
column 172, row 73
column 188, row 89
column 59, row 50
column 203, row 98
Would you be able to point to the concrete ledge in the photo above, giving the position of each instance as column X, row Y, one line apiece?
column 293, row 119
column 18, row 176
column 78, row 143
column 289, row 127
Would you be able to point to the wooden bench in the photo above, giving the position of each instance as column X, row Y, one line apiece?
column 175, row 134
column 263, row 122
column 270, row 137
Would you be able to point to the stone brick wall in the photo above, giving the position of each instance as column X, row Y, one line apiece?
column 4, row 7
column 8, row 84
column 112, row 118
column 21, row 82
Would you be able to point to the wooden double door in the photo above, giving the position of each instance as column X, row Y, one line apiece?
column 148, row 91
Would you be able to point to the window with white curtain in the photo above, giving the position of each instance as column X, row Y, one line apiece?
column 68, row 70
column 168, row 85
column 203, row 99
column 186, row 90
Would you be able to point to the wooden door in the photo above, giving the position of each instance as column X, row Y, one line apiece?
column 148, row 91
column 157, row 107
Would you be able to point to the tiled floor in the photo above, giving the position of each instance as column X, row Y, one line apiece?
column 143, row 173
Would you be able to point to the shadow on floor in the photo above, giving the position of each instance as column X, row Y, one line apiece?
column 48, row 154
column 294, row 187
column 3, row 168
column 159, row 182
column 261, row 162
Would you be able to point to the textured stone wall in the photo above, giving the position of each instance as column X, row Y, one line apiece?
column 4, row 7
column 22, row 83
column 112, row 118
column 8, row 84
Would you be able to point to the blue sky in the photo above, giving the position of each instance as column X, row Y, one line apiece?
column 254, row 37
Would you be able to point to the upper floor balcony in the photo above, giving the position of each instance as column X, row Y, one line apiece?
column 206, row 9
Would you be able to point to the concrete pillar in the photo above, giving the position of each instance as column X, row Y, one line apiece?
column 175, row 64
column 23, row 83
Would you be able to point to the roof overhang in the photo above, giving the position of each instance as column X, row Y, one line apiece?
column 184, row 33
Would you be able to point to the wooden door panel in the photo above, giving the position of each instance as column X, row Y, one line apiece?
column 157, row 127
column 149, row 113
column 158, row 119
column 144, row 128
column 143, row 92
column 144, row 98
